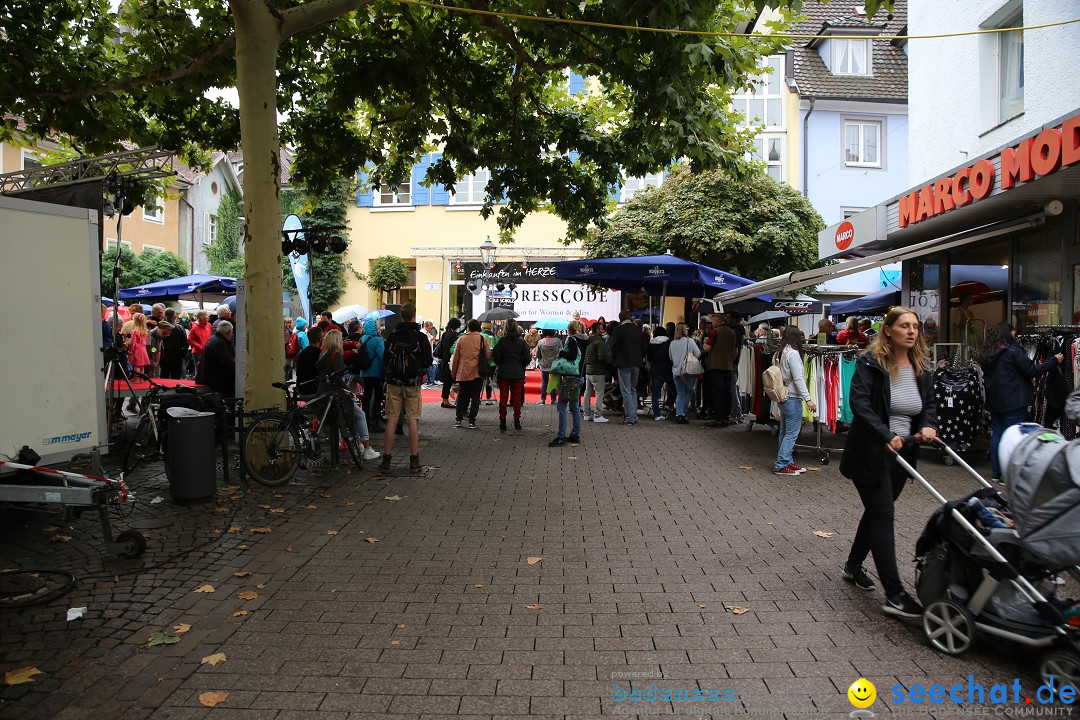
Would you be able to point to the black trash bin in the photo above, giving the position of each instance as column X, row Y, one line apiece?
column 190, row 465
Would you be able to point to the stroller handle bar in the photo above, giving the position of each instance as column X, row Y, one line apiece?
column 1030, row 591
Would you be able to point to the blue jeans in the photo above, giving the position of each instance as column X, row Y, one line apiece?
column 574, row 401
column 999, row 422
column 359, row 421
column 790, row 425
column 684, row 388
column 628, row 377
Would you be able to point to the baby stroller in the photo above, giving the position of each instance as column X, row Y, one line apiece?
column 987, row 568
column 613, row 397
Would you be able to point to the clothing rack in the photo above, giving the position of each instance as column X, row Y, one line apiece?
column 822, row 351
column 1041, row 341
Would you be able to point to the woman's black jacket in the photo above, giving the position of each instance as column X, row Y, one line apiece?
column 864, row 458
column 1007, row 377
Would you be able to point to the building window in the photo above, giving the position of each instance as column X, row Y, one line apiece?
column 153, row 209
column 110, row 244
column 469, row 190
column 210, row 237
column 1010, row 68
column 631, row 186
column 851, row 211
column 862, row 143
column 151, row 249
column 214, row 188
column 769, row 149
column 763, row 103
column 30, row 159
column 393, row 196
column 850, row 56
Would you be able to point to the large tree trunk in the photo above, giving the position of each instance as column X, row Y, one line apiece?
column 257, row 40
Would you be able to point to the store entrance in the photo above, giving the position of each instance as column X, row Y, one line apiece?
column 978, row 294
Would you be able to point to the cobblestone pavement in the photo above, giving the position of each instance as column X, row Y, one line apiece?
column 509, row 580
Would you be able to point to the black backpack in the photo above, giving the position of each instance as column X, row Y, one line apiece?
column 403, row 358
column 361, row 359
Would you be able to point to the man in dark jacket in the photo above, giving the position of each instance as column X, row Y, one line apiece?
column 218, row 368
column 307, row 378
column 628, row 353
column 403, row 393
column 442, row 352
column 511, row 356
column 721, row 344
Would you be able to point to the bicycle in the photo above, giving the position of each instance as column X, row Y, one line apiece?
column 277, row 443
column 145, row 443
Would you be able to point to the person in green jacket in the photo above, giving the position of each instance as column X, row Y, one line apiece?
column 595, row 372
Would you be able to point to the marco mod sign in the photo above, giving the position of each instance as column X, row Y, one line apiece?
column 1042, row 155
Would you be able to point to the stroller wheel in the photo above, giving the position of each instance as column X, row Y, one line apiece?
column 949, row 627
column 1060, row 669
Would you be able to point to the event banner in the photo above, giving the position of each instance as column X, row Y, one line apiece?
column 538, row 294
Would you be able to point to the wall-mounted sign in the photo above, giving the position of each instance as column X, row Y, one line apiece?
column 431, row 285
column 859, row 229
column 1043, row 154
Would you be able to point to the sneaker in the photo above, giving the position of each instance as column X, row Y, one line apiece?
column 681, row 420
column 574, row 439
column 557, row 442
column 414, row 464
column 857, row 575
column 902, row 605
column 472, row 425
column 489, row 402
column 384, row 466
column 457, row 423
column 789, row 470
column 600, row 419
column 588, row 418
column 998, row 479
column 798, row 468
column 370, row 453
column 658, row 417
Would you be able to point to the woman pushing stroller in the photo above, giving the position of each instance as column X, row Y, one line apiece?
column 892, row 399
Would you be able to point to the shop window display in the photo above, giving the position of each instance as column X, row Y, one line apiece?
column 978, row 294
column 1037, row 280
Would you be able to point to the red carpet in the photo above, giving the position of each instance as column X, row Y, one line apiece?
column 532, row 390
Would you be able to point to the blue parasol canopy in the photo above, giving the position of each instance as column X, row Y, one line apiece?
column 186, row 285
column 658, row 274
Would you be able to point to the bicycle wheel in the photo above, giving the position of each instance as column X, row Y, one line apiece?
column 345, row 429
column 270, row 451
column 141, row 446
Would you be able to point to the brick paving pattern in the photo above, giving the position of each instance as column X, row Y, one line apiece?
column 652, row 537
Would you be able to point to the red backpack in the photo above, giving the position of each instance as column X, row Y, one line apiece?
column 292, row 347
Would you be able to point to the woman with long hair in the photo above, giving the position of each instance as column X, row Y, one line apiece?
column 569, row 402
column 789, row 356
column 678, row 349
column 137, row 353
column 1007, row 376
column 892, row 399
column 331, row 370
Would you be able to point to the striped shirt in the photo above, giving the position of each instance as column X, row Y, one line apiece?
column 906, row 401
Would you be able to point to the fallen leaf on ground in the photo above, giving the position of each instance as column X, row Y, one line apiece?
column 243, row 573
column 260, row 586
column 393, row 497
column 372, row 540
column 161, row 639
column 22, row 675
column 213, row 660
column 260, row 530
column 822, row 533
column 310, row 507
column 51, row 528
column 60, row 538
column 212, row 699
column 478, row 585
column 350, row 503
column 700, row 606
column 770, row 523
column 278, row 495
column 331, row 532
column 746, row 467
column 534, row 560
column 814, row 469
column 369, row 502
column 288, row 548
column 534, row 606
column 222, row 509
column 325, row 495
column 400, row 627
column 181, row 628
column 395, row 642
column 242, row 547
column 75, row 613
column 247, row 595
column 737, row 609
column 277, row 510
column 264, row 507
column 205, row 588
column 240, row 613
column 236, row 529
column 217, row 531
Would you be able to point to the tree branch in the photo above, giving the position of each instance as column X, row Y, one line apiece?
column 318, row 12
column 511, row 40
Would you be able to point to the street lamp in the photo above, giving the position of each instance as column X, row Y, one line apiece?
column 487, row 253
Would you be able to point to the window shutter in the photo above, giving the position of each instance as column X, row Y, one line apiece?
column 419, row 192
column 439, row 194
column 364, row 194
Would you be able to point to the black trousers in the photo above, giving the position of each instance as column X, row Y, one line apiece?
column 876, row 534
column 373, row 399
column 468, row 399
column 720, row 387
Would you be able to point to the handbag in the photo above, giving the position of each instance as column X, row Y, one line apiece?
column 483, row 365
column 562, row 366
column 691, row 365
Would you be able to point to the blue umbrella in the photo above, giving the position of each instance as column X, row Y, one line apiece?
column 657, row 274
column 551, row 323
column 186, row 285
column 377, row 314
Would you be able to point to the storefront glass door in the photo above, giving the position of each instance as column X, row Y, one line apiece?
column 977, row 294
column 1037, row 280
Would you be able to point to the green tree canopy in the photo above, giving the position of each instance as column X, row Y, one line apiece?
column 151, row 266
column 388, row 272
column 751, row 226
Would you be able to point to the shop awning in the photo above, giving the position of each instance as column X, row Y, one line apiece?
column 884, row 298
column 806, row 278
